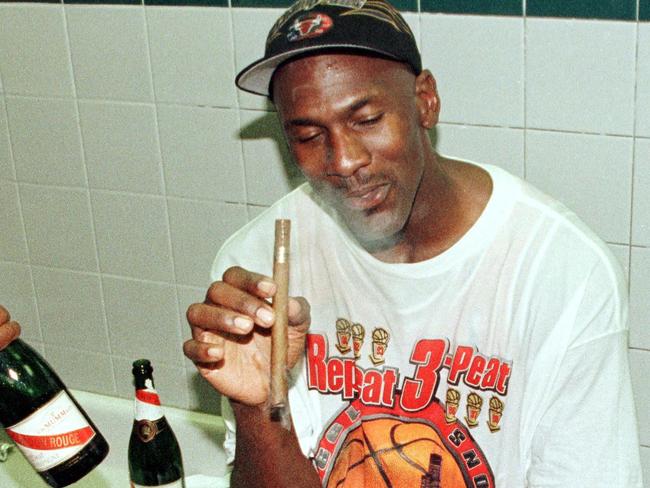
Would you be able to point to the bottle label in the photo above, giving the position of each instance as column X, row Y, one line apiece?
column 174, row 484
column 53, row 434
column 147, row 404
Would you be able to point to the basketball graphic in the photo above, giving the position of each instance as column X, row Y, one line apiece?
column 389, row 452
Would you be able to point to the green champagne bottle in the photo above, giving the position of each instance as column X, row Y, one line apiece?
column 154, row 455
column 44, row 420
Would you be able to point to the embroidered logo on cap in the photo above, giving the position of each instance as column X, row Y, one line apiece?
column 309, row 25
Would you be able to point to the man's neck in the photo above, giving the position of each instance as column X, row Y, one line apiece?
column 450, row 199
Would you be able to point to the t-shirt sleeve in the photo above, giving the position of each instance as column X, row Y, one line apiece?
column 587, row 434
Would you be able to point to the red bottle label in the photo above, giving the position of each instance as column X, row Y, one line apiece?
column 53, row 434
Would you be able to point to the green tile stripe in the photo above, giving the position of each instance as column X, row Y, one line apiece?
column 100, row 2
column 644, row 9
column 188, row 3
column 403, row 5
column 480, row 7
column 584, row 9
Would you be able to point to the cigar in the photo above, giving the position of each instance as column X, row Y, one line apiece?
column 279, row 332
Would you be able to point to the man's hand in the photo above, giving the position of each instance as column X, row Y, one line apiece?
column 8, row 330
column 231, row 337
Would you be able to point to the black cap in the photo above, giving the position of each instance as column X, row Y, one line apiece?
column 309, row 26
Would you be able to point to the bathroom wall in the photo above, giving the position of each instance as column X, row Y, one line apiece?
column 127, row 156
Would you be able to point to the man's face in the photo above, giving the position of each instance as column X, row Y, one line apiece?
column 355, row 130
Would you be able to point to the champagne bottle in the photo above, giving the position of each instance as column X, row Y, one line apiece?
column 154, row 454
column 44, row 420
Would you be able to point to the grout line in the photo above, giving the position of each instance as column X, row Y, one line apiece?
column 239, row 110
column 633, row 168
column 525, row 82
column 93, row 229
column 163, row 176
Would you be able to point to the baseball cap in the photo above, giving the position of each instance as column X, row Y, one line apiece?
column 309, row 26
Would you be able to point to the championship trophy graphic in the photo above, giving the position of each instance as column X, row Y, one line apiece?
column 358, row 333
column 343, row 335
column 452, row 401
column 379, row 343
column 474, row 404
column 496, row 412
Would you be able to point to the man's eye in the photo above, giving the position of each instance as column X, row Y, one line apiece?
column 371, row 120
column 305, row 137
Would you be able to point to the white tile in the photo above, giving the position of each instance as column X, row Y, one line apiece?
column 589, row 174
column 488, row 145
column 59, row 228
column 270, row 173
column 250, row 28
column 580, row 75
column 641, row 204
column 202, row 153
column 639, row 303
column 121, row 146
column 198, row 230
column 639, row 367
column 622, row 256
column 46, row 141
column 478, row 64
column 13, row 243
column 192, row 55
column 17, row 296
column 132, row 235
column 6, row 162
column 109, row 52
column 143, row 320
column 170, row 381
column 643, row 81
column 34, row 57
column 71, row 310
column 80, row 369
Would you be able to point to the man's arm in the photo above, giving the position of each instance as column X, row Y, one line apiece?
column 267, row 454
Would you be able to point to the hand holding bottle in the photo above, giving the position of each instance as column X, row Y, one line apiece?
column 231, row 340
column 9, row 330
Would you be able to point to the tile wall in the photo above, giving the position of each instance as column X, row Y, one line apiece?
column 127, row 156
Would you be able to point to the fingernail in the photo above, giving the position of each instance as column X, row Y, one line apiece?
column 242, row 323
column 266, row 287
column 214, row 352
column 265, row 315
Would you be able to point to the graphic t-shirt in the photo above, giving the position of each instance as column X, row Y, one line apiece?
column 500, row 362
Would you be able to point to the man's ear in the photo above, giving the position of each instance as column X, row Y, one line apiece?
column 428, row 101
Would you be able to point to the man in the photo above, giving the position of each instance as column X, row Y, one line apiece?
column 455, row 328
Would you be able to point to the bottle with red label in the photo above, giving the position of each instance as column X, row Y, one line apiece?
column 49, row 427
column 154, row 454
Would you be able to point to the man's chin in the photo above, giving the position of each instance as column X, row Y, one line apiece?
column 373, row 232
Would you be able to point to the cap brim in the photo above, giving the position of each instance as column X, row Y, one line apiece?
column 256, row 77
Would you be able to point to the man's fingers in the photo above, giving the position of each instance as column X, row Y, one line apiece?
column 216, row 318
column 8, row 332
column 4, row 315
column 241, row 302
column 299, row 311
column 203, row 352
column 254, row 283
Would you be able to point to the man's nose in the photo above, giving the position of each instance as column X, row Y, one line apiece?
column 347, row 154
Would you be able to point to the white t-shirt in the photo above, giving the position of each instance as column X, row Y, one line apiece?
column 500, row 362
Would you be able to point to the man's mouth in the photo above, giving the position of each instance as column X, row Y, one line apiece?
column 366, row 198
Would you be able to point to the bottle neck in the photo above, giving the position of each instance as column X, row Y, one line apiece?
column 147, row 401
